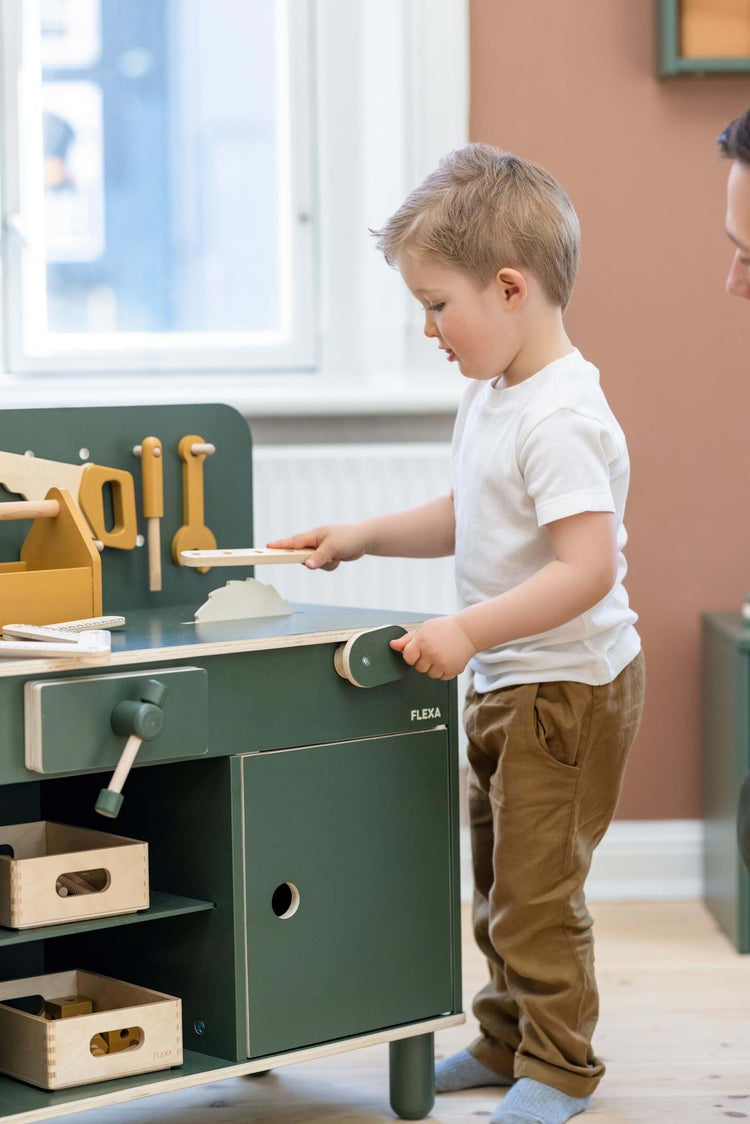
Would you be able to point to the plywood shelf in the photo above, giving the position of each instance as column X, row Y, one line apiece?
column 23, row 1102
column 162, row 905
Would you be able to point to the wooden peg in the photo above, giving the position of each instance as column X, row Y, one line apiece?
column 150, row 452
column 29, row 509
column 205, row 449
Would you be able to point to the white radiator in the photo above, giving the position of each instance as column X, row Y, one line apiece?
column 297, row 487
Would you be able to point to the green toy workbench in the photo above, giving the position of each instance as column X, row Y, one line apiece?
column 302, row 831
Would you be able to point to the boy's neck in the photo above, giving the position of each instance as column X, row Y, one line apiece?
column 544, row 343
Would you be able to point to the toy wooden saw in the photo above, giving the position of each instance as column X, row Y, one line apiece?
column 32, row 478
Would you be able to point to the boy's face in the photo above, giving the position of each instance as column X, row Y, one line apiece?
column 472, row 325
column 738, row 229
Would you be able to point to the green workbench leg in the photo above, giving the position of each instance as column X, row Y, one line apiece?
column 412, row 1066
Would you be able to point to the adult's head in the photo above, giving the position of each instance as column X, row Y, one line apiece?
column 734, row 143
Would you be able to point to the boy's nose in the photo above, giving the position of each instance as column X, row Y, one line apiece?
column 738, row 281
column 429, row 329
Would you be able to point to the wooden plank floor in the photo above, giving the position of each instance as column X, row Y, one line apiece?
column 674, row 1032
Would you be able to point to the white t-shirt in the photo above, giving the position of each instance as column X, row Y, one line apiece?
column 523, row 456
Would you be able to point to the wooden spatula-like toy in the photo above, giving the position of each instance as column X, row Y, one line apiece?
column 193, row 534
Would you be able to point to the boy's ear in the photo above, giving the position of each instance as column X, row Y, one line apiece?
column 512, row 286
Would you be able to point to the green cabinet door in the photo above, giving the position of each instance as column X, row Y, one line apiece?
column 349, row 909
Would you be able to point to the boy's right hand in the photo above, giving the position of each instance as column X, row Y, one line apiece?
column 343, row 542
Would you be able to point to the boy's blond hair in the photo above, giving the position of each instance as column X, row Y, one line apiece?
column 482, row 209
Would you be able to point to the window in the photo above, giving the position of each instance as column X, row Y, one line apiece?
column 158, row 185
column 188, row 186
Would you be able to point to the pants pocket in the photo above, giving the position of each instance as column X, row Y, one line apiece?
column 560, row 715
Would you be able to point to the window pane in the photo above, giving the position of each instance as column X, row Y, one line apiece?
column 166, row 165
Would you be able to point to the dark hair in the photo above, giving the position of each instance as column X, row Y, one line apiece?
column 734, row 142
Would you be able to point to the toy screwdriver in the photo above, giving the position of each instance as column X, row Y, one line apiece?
column 150, row 452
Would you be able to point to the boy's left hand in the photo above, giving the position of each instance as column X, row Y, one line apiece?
column 440, row 648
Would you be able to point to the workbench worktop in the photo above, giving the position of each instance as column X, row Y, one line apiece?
column 171, row 633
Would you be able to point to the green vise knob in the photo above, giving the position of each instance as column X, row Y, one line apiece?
column 139, row 720
column 367, row 660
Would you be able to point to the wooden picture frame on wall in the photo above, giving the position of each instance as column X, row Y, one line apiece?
column 703, row 37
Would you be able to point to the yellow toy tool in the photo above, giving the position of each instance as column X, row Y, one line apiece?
column 59, row 573
column 32, row 478
column 193, row 534
column 150, row 452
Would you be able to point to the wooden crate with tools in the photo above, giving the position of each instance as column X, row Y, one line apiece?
column 57, row 1053
column 55, row 873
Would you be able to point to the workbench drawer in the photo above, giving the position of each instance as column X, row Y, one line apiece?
column 68, row 722
column 348, row 895
column 58, row 873
column 131, row 1030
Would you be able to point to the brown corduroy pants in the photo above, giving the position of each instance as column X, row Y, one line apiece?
column 547, row 761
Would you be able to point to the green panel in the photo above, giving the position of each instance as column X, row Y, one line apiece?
column 725, row 760
column 256, row 701
column 293, row 697
column 76, row 717
column 362, row 829
column 109, row 434
column 453, row 727
column 250, row 692
column 160, row 906
column 20, row 803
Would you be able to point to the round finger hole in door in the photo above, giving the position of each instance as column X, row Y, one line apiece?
column 285, row 900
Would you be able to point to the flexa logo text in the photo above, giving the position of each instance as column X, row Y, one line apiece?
column 428, row 712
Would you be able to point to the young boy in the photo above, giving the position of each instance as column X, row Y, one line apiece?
column 488, row 244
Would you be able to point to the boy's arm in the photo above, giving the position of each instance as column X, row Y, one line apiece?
column 582, row 573
column 427, row 531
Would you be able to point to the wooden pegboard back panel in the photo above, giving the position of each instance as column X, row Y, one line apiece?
column 109, row 434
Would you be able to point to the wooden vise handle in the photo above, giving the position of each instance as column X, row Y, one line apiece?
column 29, row 509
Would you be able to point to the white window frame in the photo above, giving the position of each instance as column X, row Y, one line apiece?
column 290, row 347
column 391, row 97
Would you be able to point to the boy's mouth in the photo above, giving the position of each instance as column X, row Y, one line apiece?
column 450, row 354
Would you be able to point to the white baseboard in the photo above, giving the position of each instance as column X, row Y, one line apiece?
column 637, row 860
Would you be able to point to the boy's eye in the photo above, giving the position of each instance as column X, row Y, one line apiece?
column 436, row 307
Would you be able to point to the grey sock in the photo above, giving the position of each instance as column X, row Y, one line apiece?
column 463, row 1071
column 531, row 1102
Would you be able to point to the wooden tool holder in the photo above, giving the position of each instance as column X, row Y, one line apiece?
column 85, row 582
column 58, row 575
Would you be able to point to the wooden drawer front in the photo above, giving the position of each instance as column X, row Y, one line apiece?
column 287, row 697
column 68, row 722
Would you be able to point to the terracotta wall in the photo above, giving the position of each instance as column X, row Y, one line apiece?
column 570, row 83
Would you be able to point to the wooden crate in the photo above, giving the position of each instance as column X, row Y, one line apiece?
column 57, row 1054
column 44, row 853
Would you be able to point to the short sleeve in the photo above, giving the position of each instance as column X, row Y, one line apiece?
column 565, row 462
